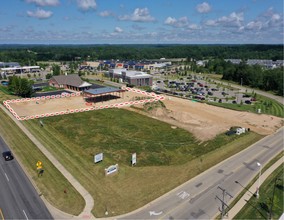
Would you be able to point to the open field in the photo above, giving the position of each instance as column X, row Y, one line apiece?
column 261, row 208
column 162, row 148
column 205, row 121
column 161, row 151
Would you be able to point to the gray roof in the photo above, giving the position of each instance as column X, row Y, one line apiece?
column 102, row 90
column 71, row 80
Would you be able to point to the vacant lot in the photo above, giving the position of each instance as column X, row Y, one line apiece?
column 44, row 106
column 161, row 151
column 162, row 148
column 206, row 121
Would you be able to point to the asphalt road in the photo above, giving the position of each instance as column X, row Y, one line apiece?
column 18, row 198
column 197, row 198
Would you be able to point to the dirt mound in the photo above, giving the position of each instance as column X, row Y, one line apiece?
column 206, row 121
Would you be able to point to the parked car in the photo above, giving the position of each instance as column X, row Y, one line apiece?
column 8, row 155
column 248, row 102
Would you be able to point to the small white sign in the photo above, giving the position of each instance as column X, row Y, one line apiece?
column 98, row 157
column 133, row 160
column 111, row 169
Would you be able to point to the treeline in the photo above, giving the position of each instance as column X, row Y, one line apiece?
column 250, row 75
column 30, row 54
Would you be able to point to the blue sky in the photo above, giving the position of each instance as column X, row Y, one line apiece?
column 141, row 21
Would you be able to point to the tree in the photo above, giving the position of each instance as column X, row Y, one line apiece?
column 56, row 69
column 20, row 86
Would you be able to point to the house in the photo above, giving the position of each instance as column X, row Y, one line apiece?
column 72, row 81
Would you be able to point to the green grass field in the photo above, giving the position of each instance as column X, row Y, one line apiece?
column 261, row 208
column 75, row 139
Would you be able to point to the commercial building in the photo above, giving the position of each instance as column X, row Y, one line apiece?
column 136, row 78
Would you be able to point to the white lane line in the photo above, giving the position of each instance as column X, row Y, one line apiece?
column 7, row 177
column 25, row 215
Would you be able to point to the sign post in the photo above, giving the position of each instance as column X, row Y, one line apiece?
column 39, row 168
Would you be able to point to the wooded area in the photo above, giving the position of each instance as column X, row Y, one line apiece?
column 251, row 75
column 30, row 54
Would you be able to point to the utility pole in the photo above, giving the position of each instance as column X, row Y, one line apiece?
column 223, row 203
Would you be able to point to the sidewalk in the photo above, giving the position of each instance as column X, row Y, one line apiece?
column 241, row 203
column 57, row 214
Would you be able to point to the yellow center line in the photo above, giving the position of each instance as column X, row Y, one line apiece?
column 1, row 214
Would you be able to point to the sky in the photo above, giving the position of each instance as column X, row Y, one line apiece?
column 141, row 22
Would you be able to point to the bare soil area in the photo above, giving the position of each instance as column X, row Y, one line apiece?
column 44, row 106
column 202, row 120
column 206, row 121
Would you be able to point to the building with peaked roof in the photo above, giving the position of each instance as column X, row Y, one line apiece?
column 72, row 81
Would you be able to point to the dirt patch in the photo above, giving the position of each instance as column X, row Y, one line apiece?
column 44, row 106
column 202, row 120
column 206, row 121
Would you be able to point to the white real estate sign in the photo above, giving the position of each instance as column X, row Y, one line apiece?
column 133, row 160
column 111, row 169
column 98, row 157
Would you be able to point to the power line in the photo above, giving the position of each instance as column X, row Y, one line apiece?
column 224, row 206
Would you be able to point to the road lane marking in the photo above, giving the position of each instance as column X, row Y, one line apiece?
column 25, row 215
column 183, row 194
column 7, row 177
column 1, row 214
column 155, row 213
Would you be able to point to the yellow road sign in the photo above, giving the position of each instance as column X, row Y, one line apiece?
column 39, row 163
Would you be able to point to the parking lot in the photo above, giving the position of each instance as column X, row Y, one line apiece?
column 199, row 88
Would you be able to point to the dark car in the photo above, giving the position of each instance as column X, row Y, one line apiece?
column 248, row 102
column 8, row 155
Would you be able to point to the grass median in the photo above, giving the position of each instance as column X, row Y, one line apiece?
column 161, row 151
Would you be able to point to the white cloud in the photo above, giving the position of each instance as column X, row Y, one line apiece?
column 44, row 2
column 40, row 14
column 193, row 27
column 139, row 15
column 211, row 23
column 181, row 22
column 203, row 8
column 118, row 30
column 233, row 20
column 86, row 5
column 266, row 22
column 254, row 25
column 106, row 13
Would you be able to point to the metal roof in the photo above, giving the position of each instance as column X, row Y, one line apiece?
column 102, row 90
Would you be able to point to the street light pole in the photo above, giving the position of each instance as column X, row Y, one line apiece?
column 258, row 185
